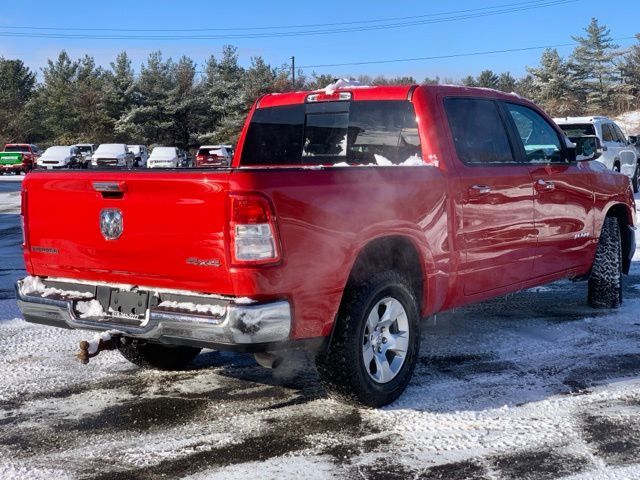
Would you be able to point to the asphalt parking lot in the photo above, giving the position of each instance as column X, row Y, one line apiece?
column 532, row 386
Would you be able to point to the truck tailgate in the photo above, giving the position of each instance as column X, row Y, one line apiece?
column 10, row 158
column 174, row 226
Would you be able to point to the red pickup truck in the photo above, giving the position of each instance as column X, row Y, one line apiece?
column 345, row 217
column 19, row 158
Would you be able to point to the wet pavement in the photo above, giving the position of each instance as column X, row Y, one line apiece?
column 533, row 386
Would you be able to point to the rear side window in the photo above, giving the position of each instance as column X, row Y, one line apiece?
column 607, row 133
column 619, row 135
column 478, row 131
column 357, row 133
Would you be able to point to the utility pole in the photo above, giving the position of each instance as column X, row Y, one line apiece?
column 293, row 72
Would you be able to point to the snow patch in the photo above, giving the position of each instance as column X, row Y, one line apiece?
column 94, row 343
column 629, row 122
column 92, row 308
column 341, row 83
column 216, row 310
column 35, row 285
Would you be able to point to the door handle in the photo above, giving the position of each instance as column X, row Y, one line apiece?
column 479, row 190
column 544, row 185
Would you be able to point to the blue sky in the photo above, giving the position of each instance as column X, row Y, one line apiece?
column 543, row 26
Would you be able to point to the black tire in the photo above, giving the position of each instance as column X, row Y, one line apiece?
column 634, row 180
column 341, row 366
column 616, row 167
column 605, row 281
column 156, row 356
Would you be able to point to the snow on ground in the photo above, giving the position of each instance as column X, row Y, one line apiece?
column 629, row 122
column 532, row 386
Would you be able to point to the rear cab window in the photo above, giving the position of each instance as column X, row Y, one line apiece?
column 17, row 148
column 576, row 130
column 374, row 132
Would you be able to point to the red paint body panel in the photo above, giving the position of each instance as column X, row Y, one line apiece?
column 470, row 248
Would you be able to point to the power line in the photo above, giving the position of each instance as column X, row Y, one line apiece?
column 279, row 27
column 441, row 57
column 514, row 8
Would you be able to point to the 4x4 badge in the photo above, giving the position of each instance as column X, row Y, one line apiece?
column 111, row 223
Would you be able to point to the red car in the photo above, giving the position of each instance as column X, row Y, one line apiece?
column 345, row 217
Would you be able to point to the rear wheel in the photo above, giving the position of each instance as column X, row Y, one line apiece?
column 616, row 167
column 634, row 180
column 374, row 347
column 156, row 356
column 605, row 281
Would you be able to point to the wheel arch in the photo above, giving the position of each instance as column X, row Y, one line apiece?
column 624, row 216
column 400, row 253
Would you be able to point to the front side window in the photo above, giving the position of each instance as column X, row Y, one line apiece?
column 540, row 140
column 356, row 133
column 478, row 131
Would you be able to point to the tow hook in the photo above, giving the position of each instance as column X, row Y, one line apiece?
column 101, row 341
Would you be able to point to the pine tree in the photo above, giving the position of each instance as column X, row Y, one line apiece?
column 225, row 96
column 93, row 122
column 487, row 79
column 149, row 120
column 119, row 92
column 592, row 63
column 469, row 81
column 184, row 104
column 553, row 85
column 17, row 85
column 61, row 111
column 506, row 83
column 631, row 72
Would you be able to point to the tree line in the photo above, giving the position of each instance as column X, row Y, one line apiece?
column 171, row 102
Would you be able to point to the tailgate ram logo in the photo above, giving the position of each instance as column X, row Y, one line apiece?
column 111, row 223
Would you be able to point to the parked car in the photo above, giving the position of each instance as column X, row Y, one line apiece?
column 61, row 157
column 87, row 150
column 635, row 141
column 618, row 154
column 141, row 155
column 112, row 155
column 214, row 156
column 164, row 157
column 418, row 199
column 184, row 159
column 18, row 158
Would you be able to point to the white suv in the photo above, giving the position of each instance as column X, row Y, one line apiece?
column 618, row 154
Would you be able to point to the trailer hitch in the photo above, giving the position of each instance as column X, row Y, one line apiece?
column 101, row 341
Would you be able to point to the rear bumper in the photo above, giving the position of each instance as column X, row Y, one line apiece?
column 251, row 327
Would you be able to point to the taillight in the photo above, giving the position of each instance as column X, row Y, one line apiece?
column 23, row 219
column 254, row 237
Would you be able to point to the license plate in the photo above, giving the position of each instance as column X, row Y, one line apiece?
column 126, row 305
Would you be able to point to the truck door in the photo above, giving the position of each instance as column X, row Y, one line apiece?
column 493, row 195
column 563, row 204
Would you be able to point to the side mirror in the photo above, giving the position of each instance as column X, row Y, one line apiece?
column 633, row 140
column 588, row 148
